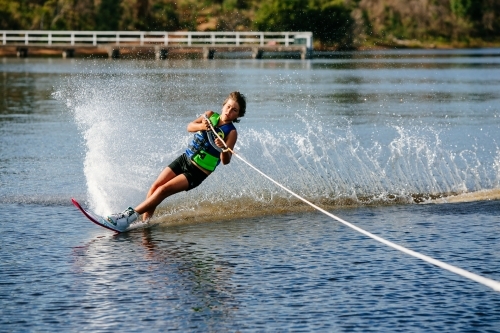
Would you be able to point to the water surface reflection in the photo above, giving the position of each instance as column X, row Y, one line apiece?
column 167, row 280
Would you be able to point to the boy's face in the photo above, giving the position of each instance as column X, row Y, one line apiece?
column 230, row 110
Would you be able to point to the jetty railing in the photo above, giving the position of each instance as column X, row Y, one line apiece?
column 143, row 38
column 161, row 43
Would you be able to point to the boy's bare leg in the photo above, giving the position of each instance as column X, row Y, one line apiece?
column 166, row 185
column 166, row 175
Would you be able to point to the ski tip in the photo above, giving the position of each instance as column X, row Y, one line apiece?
column 76, row 203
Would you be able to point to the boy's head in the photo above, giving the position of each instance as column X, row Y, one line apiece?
column 240, row 99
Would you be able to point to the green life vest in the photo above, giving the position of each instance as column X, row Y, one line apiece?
column 201, row 151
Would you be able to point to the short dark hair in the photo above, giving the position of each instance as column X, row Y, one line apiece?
column 241, row 100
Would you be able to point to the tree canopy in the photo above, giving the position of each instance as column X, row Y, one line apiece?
column 344, row 23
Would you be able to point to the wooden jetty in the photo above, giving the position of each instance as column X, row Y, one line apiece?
column 161, row 45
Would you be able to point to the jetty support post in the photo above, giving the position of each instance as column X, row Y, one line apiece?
column 304, row 39
column 161, row 53
column 208, row 53
column 69, row 53
column 257, row 53
column 22, row 52
column 306, row 53
column 113, row 52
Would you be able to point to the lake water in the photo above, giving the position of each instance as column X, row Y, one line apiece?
column 404, row 144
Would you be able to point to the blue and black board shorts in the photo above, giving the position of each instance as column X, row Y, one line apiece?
column 182, row 165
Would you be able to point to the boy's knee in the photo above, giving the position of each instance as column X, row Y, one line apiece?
column 165, row 190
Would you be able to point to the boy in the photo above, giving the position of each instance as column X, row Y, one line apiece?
column 201, row 158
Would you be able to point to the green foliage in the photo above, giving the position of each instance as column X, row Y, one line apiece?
column 329, row 21
column 460, row 8
column 9, row 12
column 229, row 5
column 339, row 23
column 283, row 15
column 434, row 20
column 108, row 15
column 333, row 24
column 164, row 17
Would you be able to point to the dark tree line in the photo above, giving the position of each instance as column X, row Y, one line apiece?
column 344, row 23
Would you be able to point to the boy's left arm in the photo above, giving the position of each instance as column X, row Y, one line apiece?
column 230, row 142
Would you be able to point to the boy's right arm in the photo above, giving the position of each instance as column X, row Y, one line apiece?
column 200, row 123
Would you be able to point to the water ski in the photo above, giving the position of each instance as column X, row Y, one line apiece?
column 101, row 221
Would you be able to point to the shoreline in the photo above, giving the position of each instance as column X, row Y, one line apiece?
column 394, row 43
column 319, row 49
column 11, row 52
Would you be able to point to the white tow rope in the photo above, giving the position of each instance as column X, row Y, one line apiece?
column 495, row 285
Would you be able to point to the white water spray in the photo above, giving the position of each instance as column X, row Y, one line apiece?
column 133, row 121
